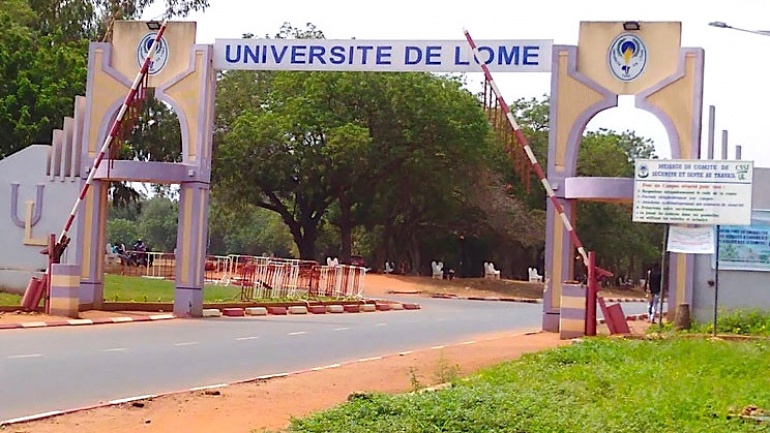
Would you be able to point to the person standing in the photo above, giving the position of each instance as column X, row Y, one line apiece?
column 653, row 286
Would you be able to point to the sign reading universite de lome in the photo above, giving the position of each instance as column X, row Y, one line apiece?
column 381, row 55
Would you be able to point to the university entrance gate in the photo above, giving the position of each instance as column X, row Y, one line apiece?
column 183, row 74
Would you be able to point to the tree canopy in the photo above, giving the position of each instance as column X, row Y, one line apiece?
column 400, row 167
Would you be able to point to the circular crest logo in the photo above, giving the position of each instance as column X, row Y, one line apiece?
column 644, row 171
column 627, row 57
column 161, row 54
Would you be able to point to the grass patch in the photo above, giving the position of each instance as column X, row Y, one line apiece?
column 602, row 385
column 122, row 288
column 9, row 299
column 738, row 322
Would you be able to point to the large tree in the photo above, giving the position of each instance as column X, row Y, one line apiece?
column 315, row 139
column 40, row 73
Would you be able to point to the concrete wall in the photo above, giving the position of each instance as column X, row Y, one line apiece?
column 747, row 290
column 20, row 256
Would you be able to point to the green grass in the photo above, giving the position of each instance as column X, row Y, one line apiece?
column 738, row 322
column 598, row 386
column 9, row 299
column 121, row 288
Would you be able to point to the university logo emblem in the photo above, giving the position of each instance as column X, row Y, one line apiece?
column 627, row 57
column 161, row 54
column 644, row 171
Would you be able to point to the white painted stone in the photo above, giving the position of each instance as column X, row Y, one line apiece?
column 211, row 312
column 396, row 306
column 334, row 309
column 256, row 311
column 298, row 309
column 368, row 308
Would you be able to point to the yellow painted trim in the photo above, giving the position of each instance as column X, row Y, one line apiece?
column 201, row 244
column 574, row 98
column 67, row 304
column 87, row 221
column 187, row 218
column 102, row 232
column 572, row 325
column 65, row 281
column 557, row 277
column 28, row 239
column 681, row 274
column 574, row 302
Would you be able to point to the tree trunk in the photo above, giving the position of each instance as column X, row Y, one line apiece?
column 309, row 236
column 304, row 235
column 415, row 253
column 346, row 229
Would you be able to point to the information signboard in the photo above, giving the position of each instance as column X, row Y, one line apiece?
column 693, row 191
column 691, row 240
column 746, row 248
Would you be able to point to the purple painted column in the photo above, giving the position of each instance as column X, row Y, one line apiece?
column 93, row 217
column 554, row 255
column 191, row 249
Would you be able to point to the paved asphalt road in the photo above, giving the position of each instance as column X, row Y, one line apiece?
column 43, row 370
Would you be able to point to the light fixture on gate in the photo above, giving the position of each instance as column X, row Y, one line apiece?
column 153, row 25
column 631, row 26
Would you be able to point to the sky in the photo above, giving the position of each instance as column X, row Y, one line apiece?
column 736, row 68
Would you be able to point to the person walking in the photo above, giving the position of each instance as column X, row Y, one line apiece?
column 653, row 286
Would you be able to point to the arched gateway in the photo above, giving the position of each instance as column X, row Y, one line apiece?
column 646, row 61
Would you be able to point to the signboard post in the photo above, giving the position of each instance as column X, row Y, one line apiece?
column 694, row 192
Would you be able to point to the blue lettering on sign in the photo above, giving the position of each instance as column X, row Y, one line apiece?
column 298, row 54
column 316, row 52
column 249, row 54
column 231, row 59
column 531, row 51
column 364, row 50
column 489, row 51
column 508, row 57
column 430, row 53
column 383, row 55
column 278, row 57
column 457, row 58
column 408, row 60
column 337, row 55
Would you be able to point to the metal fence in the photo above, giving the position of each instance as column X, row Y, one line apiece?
column 258, row 277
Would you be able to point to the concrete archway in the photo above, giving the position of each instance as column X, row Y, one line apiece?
column 669, row 85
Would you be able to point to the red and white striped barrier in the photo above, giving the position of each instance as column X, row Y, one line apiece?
column 528, row 150
column 114, row 130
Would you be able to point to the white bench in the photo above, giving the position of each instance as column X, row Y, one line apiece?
column 437, row 270
column 533, row 276
column 490, row 271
